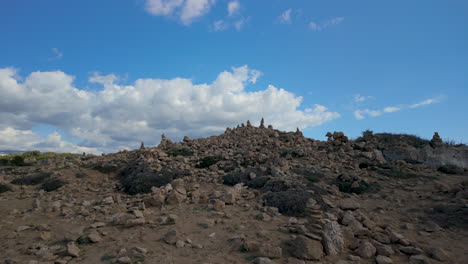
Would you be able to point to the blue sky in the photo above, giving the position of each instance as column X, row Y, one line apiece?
column 191, row 67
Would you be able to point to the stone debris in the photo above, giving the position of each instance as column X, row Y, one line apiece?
column 251, row 193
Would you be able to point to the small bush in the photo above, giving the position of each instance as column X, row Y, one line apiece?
column 179, row 152
column 279, row 186
column 52, row 185
column 235, row 177
column 106, row 168
column 293, row 152
column 310, row 175
column 4, row 188
column 208, row 161
column 137, row 180
column 17, row 161
column 258, row 182
column 30, row 154
column 363, row 165
column 290, row 203
column 362, row 187
column 81, row 175
column 397, row 173
column 450, row 169
column 32, row 179
column 349, row 184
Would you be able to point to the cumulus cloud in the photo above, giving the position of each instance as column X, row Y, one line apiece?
column 233, row 7
column 361, row 114
column 186, row 10
column 316, row 26
column 24, row 140
column 119, row 116
column 285, row 17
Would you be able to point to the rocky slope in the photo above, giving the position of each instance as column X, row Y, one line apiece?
column 249, row 195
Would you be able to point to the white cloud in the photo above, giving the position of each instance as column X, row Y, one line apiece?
column 361, row 114
column 233, row 7
column 285, row 17
column 391, row 109
column 186, row 10
column 239, row 24
column 194, row 9
column 13, row 139
column 361, row 98
column 120, row 116
column 57, row 54
column 220, row 25
column 104, row 80
column 163, row 7
column 425, row 102
column 315, row 26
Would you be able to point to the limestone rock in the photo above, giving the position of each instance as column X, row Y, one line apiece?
column 333, row 241
column 305, row 249
column 366, row 250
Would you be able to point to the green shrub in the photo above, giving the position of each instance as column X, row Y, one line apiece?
column 32, row 179
column 208, row 161
column 4, row 188
column 179, row 152
column 30, row 154
column 52, row 185
column 290, row 203
column 450, row 169
column 17, row 161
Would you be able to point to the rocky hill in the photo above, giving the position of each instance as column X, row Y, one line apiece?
column 249, row 195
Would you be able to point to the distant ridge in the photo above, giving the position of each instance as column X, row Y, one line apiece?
column 8, row 152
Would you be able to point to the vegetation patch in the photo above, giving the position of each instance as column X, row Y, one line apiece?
column 208, row 161
column 451, row 169
column 18, row 159
column 290, row 203
column 280, row 186
column 137, row 180
column 179, row 152
column 4, row 188
column 397, row 173
column 53, row 184
column 293, row 152
column 81, row 175
column 310, row 175
column 355, row 185
column 236, row 177
column 32, row 179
